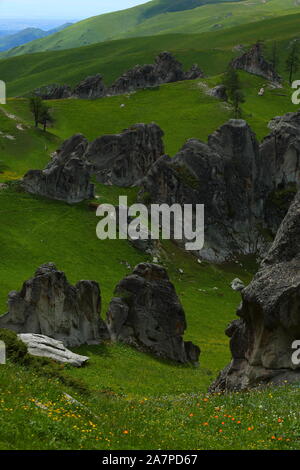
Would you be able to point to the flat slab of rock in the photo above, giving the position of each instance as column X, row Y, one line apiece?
column 43, row 346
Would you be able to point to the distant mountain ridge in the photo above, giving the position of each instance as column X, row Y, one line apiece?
column 160, row 17
column 9, row 41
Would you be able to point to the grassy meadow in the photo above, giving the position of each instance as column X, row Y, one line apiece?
column 130, row 400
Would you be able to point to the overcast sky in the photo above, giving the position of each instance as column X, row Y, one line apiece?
column 61, row 9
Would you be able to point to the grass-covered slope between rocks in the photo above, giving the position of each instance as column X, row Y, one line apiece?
column 212, row 51
column 160, row 17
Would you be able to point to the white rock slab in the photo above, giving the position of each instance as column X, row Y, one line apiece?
column 43, row 346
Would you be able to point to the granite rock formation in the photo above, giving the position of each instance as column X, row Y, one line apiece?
column 124, row 159
column 254, row 62
column 90, row 88
column 246, row 187
column 66, row 177
column 146, row 314
column 262, row 339
column 54, row 92
column 166, row 69
column 48, row 305
column 219, row 92
column 43, row 346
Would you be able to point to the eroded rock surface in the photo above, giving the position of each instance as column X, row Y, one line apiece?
column 147, row 314
column 124, row 159
column 43, row 346
column 90, row 88
column 254, row 62
column 246, row 187
column 48, row 305
column 166, row 69
column 66, row 177
column 261, row 340
column 54, row 92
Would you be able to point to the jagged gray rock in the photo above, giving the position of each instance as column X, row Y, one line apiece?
column 246, row 187
column 219, row 92
column 54, row 92
column 90, row 88
column 147, row 314
column 66, row 177
column 166, row 69
column 48, row 305
column 254, row 62
column 124, row 159
column 261, row 340
column 237, row 285
column 43, row 346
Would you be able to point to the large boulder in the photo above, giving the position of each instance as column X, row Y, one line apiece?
column 66, row 177
column 48, row 305
column 147, row 314
column 262, row 339
column 124, row 159
column 254, row 62
column 90, row 88
column 246, row 187
column 43, row 346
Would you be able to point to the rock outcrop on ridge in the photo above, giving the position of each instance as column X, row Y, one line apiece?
column 165, row 69
column 66, row 177
column 262, row 339
column 48, row 305
column 90, row 88
column 54, row 92
column 254, row 62
column 43, row 346
column 246, row 187
column 147, row 314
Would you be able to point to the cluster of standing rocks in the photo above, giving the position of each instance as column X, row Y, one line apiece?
column 246, row 186
column 166, row 69
column 251, row 195
column 50, row 315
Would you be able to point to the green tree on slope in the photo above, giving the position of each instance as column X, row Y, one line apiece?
column 234, row 91
column 41, row 112
column 293, row 61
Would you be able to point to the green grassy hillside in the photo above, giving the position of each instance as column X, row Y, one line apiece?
column 160, row 17
column 167, row 407
column 212, row 51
